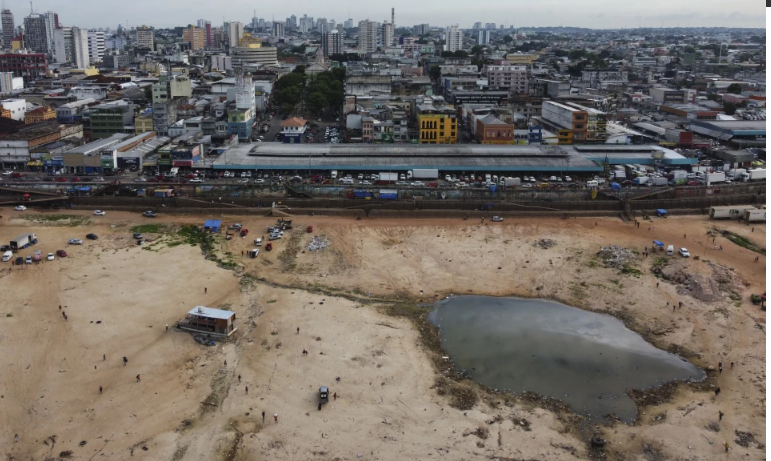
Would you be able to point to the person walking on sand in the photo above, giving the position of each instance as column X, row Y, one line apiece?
column 298, row 330
column 720, row 415
column 732, row 365
column 335, row 395
column 275, row 417
column 726, row 447
column 717, row 392
column 60, row 307
column 139, row 378
column 125, row 361
column 680, row 304
column 104, row 357
column 100, row 389
column 205, row 290
column 239, row 378
column 720, row 366
column 263, row 417
column 657, row 284
column 226, row 363
column 15, row 438
column 246, row 388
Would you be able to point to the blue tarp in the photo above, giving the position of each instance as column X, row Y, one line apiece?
column 661, row 212
column 658, row 243
column 212, row 225
column 615, row 186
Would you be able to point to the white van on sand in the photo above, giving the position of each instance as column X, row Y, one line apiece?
column 7, row 256
column 670, row 250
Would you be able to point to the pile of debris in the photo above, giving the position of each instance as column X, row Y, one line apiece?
column 204, row 339
column 318, row 243
column 616, row 256
column 545, row 243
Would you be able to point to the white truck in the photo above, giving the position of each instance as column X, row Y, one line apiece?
column 388, row 177
column 659, row 181
column 729, row 211
column 755, row 215
column 678, row 174
column 333, row 174
column 425, row 174
column 510, row 182
column 735, row 174
column 753, row 175
column 619, row 175
column 713, row 178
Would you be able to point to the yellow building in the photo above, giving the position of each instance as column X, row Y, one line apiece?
column 194, row 35
column 521, row 58
column 143, row 123
column 39, row 115
column 437, row 125
column 87, row 72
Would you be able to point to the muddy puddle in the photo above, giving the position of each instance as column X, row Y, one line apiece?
column 585, row 359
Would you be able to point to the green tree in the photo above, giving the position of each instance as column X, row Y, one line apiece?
column 299, row 69
column 317, row 101
column 461, row 54
column 477, row 50
column 734, row 88
column 435, row 73
column 507, row 39
column 729, row 108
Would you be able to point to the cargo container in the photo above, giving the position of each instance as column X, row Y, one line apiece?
column 678, row 174
column 23, row 241
column 425, row 174
column 735, row 173
column 660, row 181
column 509, row 182
column 389, row 194
column 386, row 178
column 639, row 181
column 753, row 175
column 755, row 215
column 729, row 211
column 713, row 178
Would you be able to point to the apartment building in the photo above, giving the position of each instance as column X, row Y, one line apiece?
column 194, row 36
column 145, row 37
column 172, row 87
column 332, row 43
column 453, row 38
column 71, row 44
column 96, row 45
column 29, row 66
column 278, row 29
column 368, row 36
column 575, row 123
column 6, row 18
column 508, row 77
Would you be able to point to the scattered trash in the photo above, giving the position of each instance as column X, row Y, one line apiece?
column 616, row 256
column 318, row 243
column 545, row 243
column 205, row 340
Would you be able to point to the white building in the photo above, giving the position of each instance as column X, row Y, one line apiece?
column 278, row 29
column 368, row 36
column 245, row 98
column 483, row 37
column 18, row 108
column 221, row 62
column 146, row 37
column 95, row 45
column 234, row 30
column 9, row 83
column 388, row 35
column 71, row 45
column 115, row 42
column 453, row 38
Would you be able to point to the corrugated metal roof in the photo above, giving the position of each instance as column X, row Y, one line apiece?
column 203, row 311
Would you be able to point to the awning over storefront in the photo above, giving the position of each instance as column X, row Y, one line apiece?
column 35, row 163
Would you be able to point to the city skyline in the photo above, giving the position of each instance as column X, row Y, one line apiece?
column 596, row 14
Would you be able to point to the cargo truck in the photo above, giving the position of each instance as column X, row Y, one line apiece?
column 753, row 175
column 23, row 241
column 509, row 182
column 729, row 211
column 657, row 181
column 713, row 178
column 735, row 174
column 619, row 175
column 755, row 215
column 386, row 178
column 678, row 174
column 425, row 174
column 641, row 180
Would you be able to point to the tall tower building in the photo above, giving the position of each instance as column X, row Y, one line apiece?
column 332, row 43
column 95, row 45
column 235, row 31
column 194, row 35
column 393, row 17
column 388, row 35
column 453, row 40
column 8, row 28
column 36, row 33
column 278, row 29
column 368, row 36
column 145, row 37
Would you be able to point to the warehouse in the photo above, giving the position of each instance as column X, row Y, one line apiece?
column 381, row 157
column 742, row 133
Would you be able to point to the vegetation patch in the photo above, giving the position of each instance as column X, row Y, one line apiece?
column 70, row 220
column 149, row 229
column 743, row 242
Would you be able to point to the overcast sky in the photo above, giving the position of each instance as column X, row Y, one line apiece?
column 588, row 13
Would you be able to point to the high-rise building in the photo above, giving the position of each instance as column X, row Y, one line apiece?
column 453, row 38
column 490, row 26
column 145, row 37
column 321, row 25
column 477, row 25
column 95, row 45
column 8, row 28
column 368, row 36
column 306, row 24
column 348, row 24
column 201, row 23
column 332, row 43
column 293, row 21
column 36, row 33
column 420, row 29
column 483, row 37
column 244, row 91
column 387, row 39
column 71, row 45
column 207, row 35
column 278, row 29
column 194, row 36
column 234, row 30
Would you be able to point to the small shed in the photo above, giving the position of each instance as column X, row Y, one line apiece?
column 212, row 225
column 215, row 322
